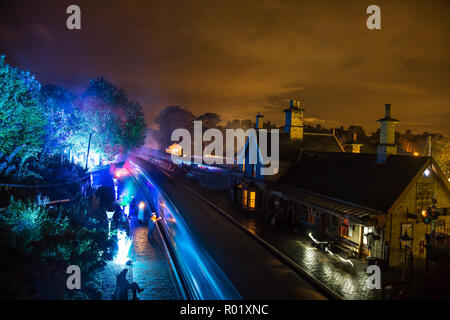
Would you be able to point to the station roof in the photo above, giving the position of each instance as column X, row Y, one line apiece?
column 354, row 178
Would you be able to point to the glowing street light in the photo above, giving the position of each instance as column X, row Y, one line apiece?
column 406, row 242
column 109, row 216
column 141, row 211
column 124, row 243
column 121, row 172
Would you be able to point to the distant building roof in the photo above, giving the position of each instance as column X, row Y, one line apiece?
column 290, row 149
column 354, row 178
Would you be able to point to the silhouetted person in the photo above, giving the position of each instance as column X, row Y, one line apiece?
column 122, row 287
column 132, row 206
column 151, row 227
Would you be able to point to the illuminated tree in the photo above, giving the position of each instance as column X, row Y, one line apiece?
column 61, row 118
column 117, row 123
column 22, row 116
column 102, row 123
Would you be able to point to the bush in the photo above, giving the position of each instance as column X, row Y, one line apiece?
column 44, row 242
column 25, row 221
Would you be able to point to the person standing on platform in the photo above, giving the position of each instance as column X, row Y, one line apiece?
column 151, row 227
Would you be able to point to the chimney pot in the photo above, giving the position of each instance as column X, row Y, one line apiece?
column 388, row 110
column 387, row 144
column 258, row 117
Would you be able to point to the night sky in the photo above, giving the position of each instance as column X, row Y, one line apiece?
column 236, row 58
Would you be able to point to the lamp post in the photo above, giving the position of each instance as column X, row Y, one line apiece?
column 109, row 216
column 116, row 188
column 406, row 242
column 87, row 153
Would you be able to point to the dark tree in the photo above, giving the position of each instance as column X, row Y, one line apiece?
column 209, row 120
column 171, row 118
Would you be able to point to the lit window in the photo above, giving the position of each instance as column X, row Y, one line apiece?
column 252, row 200
column 366, row 231
column 243, row 164
column 343, row 230
column 244, row 198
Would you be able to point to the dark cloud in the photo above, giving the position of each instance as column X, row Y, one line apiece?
column 240, row 57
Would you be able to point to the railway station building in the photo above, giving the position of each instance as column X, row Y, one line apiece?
column 368, row 204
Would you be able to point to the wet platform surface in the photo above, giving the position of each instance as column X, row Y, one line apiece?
column 151, row 268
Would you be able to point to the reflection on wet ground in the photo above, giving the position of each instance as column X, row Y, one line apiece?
column 346, row 280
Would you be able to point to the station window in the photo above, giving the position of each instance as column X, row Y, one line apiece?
column 366, row 231
column 252, row 200
column 343, row 230
column 244, row 198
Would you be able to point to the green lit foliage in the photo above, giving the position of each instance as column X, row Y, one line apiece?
column 51, row 120
column 49, row 239
column 22, row 117
column 25, row 221
column 14, row 168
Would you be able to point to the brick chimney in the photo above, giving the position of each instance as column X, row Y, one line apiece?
column 294, row 120
column 354, row 146
column 387, row 144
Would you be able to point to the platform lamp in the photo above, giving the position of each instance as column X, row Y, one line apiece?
column 406, row 242
column 109, row 216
